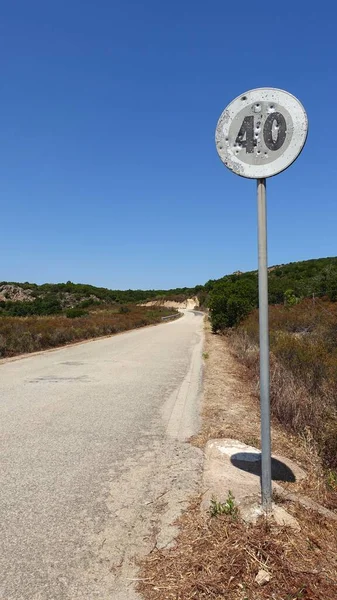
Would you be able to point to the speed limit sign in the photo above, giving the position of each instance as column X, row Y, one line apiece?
column 258, row 135
column 261, row 133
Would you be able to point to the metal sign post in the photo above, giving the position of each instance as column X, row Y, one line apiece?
column 266, row 487
column 258, row 135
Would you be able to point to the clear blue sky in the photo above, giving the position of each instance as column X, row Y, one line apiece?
column 109, row 173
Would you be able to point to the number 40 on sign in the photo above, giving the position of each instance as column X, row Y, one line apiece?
column 261, row 133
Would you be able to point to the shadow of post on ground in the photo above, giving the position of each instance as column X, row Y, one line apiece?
column 251, row 463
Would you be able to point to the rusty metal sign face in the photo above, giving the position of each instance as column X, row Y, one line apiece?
column 261, row 133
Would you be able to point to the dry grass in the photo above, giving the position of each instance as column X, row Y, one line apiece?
column 20, row 335
column 303, row 369
column 218, row 558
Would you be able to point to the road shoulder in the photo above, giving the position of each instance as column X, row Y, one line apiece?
column 222, row 556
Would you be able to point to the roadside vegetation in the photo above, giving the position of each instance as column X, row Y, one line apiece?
column 232, row 298
column 36, row 317
column 303, row 342
column 20, row 335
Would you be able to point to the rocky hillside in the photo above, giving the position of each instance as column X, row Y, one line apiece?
column 15, row 293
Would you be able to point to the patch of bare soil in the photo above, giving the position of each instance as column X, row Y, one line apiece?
column 189, row 303
column 220, row 557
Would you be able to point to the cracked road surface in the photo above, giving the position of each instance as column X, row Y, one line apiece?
column 95, row 465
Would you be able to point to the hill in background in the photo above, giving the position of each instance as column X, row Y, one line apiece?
column 25, row 299
column 229, row 298
column 233, row 297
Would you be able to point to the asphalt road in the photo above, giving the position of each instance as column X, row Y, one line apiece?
column 95, row 465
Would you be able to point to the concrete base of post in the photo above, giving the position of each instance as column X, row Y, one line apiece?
column 232, row 466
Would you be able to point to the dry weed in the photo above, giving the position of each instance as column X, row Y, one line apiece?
column 303, row 369
column 219, row 558
column 19, row 335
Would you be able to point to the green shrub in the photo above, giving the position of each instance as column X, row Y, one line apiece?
column 289, row 298
column 228, row 311
column 124, row 310
column 49, row 305
column 73, row 313
column 89, row 302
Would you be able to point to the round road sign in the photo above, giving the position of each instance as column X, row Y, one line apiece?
column 261, row 133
